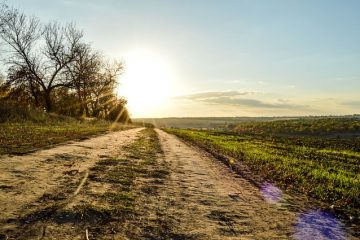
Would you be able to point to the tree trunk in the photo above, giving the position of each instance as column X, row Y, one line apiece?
column 87, row 110
column 48, row 103
column 81, row 110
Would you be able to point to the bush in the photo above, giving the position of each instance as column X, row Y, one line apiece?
column 12, row 113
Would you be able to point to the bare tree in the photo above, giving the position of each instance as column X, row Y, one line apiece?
column 3, row 88
column 103, row 88
column 22, row 83
column 49, row 66
column 43, row 52
column 83, row 73
column 94, row 80
column 2, row 80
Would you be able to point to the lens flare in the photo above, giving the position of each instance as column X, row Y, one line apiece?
column 271, row 193
column 318, row 225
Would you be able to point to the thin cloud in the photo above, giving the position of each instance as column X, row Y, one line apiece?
column 236, row 98
column 214, row 95
column 253, row 103
column 352, row 103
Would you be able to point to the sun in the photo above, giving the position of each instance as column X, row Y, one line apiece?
column 147, row 83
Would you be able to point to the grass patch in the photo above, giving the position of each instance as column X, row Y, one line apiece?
column 325, row 169
column 24, row 136
column 140, row 161
column 86, row 213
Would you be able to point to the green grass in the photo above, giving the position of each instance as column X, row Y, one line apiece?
column 303, row 126
column 140, row 161
column 23, row 136
column 322, row 168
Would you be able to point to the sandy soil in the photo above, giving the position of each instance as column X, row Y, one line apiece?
column 26, row 179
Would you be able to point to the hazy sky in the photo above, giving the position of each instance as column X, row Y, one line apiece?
column 225, row 58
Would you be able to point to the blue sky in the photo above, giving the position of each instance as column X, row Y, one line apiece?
column 245, row 57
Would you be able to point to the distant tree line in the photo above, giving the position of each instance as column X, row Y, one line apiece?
column 336, row 126
column 50, row 67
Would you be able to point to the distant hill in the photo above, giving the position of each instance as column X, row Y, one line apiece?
column 232, row 123
column 204, row 122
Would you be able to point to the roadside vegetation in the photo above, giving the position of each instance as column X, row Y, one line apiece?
column 324, row 168
column 22, row 130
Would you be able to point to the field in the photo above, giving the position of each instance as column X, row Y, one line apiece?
column 22, row 131
column 204, row 122
column 311, row 126
column 321, row 167
column 262, row 124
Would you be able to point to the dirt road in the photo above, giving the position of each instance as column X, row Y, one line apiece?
column 138, row 184
column 25, row 179
column 216, row 203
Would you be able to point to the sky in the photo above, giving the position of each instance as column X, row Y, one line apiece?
column 207, row 58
